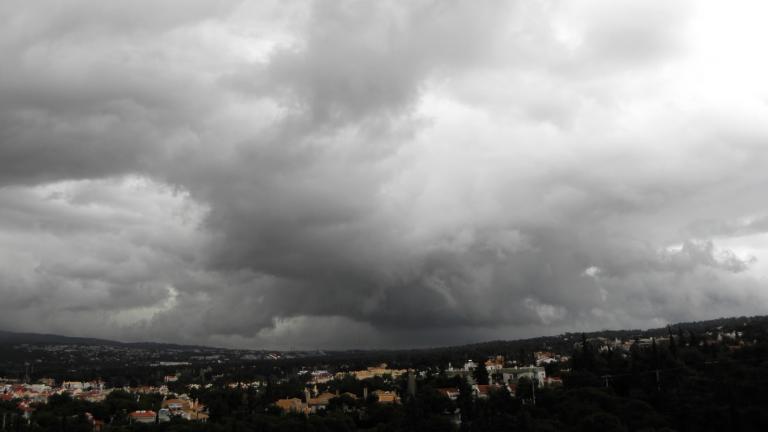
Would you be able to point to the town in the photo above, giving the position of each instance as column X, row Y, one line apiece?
column 458, row 388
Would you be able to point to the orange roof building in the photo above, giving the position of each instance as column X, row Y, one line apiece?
column 143, row 416
column 292, row 405
column 386, row 397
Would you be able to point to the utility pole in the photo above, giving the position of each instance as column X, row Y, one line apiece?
column 605, row 377
column 533, row 391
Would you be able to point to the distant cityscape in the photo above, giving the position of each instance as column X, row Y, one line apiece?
column 171, row 384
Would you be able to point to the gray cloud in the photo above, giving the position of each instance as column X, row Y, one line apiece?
column 355, row 174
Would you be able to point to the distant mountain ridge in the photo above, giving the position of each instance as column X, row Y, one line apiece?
column 7, row 337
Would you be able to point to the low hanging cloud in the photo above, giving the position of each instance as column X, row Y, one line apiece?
column 354, row 174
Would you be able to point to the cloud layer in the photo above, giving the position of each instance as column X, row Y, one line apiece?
column 368, row 174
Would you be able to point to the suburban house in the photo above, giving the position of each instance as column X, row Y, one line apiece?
column 292, row 405
column 386, row 397
column 530, row 372
column 451, row 393
column 320, row 402
column 185, row 408
column 142, row 416
column 482, row 391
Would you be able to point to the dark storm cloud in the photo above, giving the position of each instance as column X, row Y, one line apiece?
column 88, row 91
column 362, row 59
column 370, row 174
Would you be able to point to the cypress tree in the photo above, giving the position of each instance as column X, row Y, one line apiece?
column 480, row 374
column 672, row 343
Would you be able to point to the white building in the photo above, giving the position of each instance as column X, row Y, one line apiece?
column 531, row 372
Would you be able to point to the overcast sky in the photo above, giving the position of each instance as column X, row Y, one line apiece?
column 335, row 174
